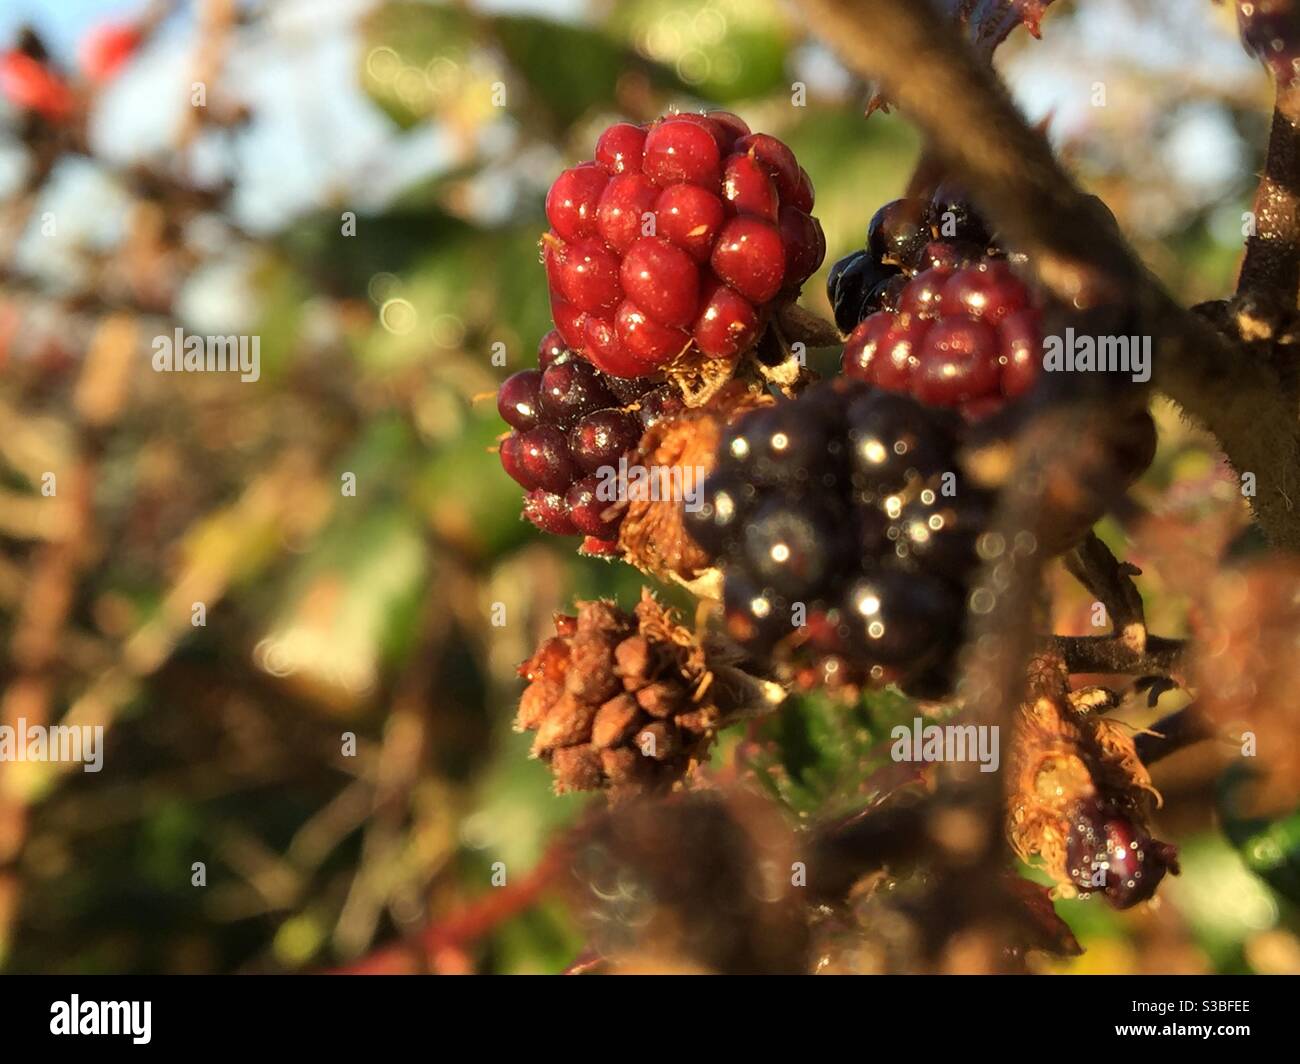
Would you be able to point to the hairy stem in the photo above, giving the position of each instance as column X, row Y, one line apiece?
column 1272, row 262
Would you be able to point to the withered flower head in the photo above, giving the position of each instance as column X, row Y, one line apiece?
column 628, row 702
column 1079, row 796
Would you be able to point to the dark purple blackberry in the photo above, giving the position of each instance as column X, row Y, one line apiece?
column 571, row 387
column 572, row 424
column 791, row 546
column 517, row 399
column 657, row 404
column 898, row 232
column 600, row 439
column 940, row 533
column 843, row 510
column 952, row 218
column 902, row 618
column 857, row 279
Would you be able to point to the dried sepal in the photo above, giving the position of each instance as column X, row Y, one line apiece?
column 677, row 453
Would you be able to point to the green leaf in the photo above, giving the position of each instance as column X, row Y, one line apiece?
column 822, row 755
column 568, row 69
column 414, row 56
column 724, row 51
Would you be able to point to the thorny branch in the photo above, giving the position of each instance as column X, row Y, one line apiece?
column 975, row 130
column 1272, row 262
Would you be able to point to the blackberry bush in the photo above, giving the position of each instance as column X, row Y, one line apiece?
column 680, row 236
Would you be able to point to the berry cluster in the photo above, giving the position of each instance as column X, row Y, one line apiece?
column 1107, row 851
column 842, row 524
column 571, row 425
column 678, row 234
column 933, row 312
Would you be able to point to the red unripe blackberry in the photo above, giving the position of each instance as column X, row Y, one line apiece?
column 732, row 126
column 958, row 362
column 619, row 148
column 884, row 349
column 747, row 189
column 658, row 404
column 967, row 339
column 805, row 196
column 691, row 218
column 571, row 202
column 570, row 388
column 1019, row 343
column 645, row 339
column 589, row 276
column 986, row 292
column 805, row 246
column 30, row 85
column 600, row 439
column 728, row 323
column 623, row 206
column 588, row 511
column 512, row 461
column 922, row 295
column 550, row 348
column 750, row 257
column 662, row 280
column 777, row 159
column 677, row 150
column 605, row 349
column 668, row 203
column 549, row 512
column 546, row 459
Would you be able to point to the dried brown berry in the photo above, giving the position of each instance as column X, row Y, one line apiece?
column 628, row 702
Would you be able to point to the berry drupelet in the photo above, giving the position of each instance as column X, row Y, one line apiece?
column 845, row 533
column 678, row 236
column 932, row 310
column 571, row 424
column 1108, row 852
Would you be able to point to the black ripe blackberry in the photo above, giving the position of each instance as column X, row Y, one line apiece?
column 571, row 425
column 845, row 533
